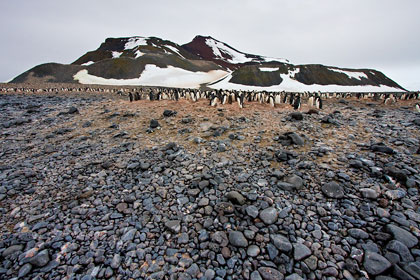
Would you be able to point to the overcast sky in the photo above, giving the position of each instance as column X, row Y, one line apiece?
column 377, row 34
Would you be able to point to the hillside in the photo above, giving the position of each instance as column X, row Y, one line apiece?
column 151, row 61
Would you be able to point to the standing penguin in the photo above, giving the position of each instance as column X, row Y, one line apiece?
column 151, row 96
column 318, row 102
column 296, row 103
column 310, row 100
column 241, row 100
column 292, row 99
column 130, row 95
column 176, row 95
column 271, row 100
column 418, row 107
column 213, row 99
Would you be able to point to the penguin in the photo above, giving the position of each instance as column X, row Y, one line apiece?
column 213, row 99
column 318, row 102
column 241, row 100
column 137, row 96
column 130, row 95
column 277, row 99
column 192, row 96
column 285, row 98
column 291, row 100
column 417, row 107
column 271, row 100
column 230, row 98
column 224, row 98
column 296, row 103
column 389, row 98
column 310, row 101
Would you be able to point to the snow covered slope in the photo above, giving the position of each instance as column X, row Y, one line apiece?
column 153, row 75
column 290, row 84
column 209, row 48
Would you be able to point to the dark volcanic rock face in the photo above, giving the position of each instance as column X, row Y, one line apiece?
column 87, row 193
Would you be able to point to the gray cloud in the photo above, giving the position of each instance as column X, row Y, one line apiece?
column 379, row 34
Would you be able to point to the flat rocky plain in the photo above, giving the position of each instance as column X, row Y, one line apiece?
column 88, row 190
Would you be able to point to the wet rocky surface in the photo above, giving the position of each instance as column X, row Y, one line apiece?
column 95, row 187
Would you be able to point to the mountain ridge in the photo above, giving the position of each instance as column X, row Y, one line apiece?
column 154, row 61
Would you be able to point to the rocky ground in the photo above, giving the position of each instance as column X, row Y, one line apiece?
column 95, row 187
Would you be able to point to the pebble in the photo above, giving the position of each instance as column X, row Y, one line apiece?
column 333, row 190
column 252, row 211
column 129, row 236
column 358, row 233
column 173, row 225
column 24, row 270
column 41, row 259
column 300, row 251
column 269, row 215
column 375, row 264
column 281, row 242
column 402, row 235
column 253, row 251
column 369, row 193
column 11, row 250
column 235, row 197
column 269, row 273
column 237, row 239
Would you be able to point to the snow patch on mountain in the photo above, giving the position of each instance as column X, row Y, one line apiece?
column 134, row 42
column 156, row 76
column 138, row 54
column 175, row 50
column 88, row 63
column 268, row 69
column 354, row 75
column 218, row 47
column 269, row 59
column 292, row 73
column 116, row 54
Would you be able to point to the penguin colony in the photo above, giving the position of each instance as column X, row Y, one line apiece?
column 221, row 97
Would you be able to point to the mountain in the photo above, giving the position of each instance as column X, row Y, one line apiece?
column 205, row 61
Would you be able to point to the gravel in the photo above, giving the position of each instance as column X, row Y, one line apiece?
column 96, row 193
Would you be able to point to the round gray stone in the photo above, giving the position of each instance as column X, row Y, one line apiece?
column 333, row 190
column 253, row 251
column 236, row 198
column 269, row 215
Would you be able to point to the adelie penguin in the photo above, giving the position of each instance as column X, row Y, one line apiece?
column 214, row 100
column 130, row 95
column 241, row 100
column 296, row 103
column 417, row 107
column 318, row 102
column 151, row 96
column 311, row 101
